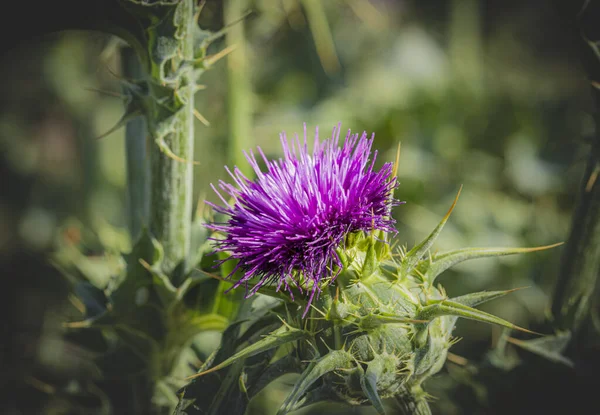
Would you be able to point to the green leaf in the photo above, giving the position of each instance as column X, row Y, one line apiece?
column 549, row 347
column 322, row 393
column 372, row 321
column 287, row 364
column 368, row 383
column 441, row 262
column 414, row 255
column 334, row 360
column 451, row 308
column 474, row 299
column 283, row 335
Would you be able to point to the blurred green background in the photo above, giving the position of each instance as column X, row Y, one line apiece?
column 488, row 96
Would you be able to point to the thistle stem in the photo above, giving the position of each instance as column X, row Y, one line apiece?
column 172, row 180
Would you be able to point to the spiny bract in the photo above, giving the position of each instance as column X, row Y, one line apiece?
column 379, row 328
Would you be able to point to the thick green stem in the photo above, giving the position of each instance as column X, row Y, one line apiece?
column 171, row 122
column 138, row 167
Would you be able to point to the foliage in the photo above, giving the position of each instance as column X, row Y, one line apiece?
column 473, row 93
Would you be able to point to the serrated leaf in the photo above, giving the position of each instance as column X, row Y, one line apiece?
column 451, row 308
column 413, row 256
column 441, row 262
column 334, row 360
column 549, row 347
column 368, row 383
column 283, row 335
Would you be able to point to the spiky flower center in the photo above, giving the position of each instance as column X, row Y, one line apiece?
column 285, row 225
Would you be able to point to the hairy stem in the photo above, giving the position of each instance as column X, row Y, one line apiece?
column 171, row 124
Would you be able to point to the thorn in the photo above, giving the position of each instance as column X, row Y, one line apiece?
column 210, row 60
column 77, row 303
column 517, row 289
column 395, row 169
column 453, row 203
column 77, row 324
column 223, row 31
column 326, row 345
column 542, row 248
column 318, row 311
column 40, row 385
column 285, row 323
column 594, row 176
column 314, row 347
column 105, row 92
column 515, row 327
column 514, row 341
column 169, row 153
column 197, row 375
column 419, row 274
column 201, row 118
column 146, row 265
column 121, row 123
column 215, row 276
column 456, row 359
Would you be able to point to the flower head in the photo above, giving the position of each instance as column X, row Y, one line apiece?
column 286, row 225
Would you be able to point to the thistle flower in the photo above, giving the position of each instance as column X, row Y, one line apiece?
column 286, row 225
column 387, row 326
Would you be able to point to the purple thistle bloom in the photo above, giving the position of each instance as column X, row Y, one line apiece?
column 286, row 224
